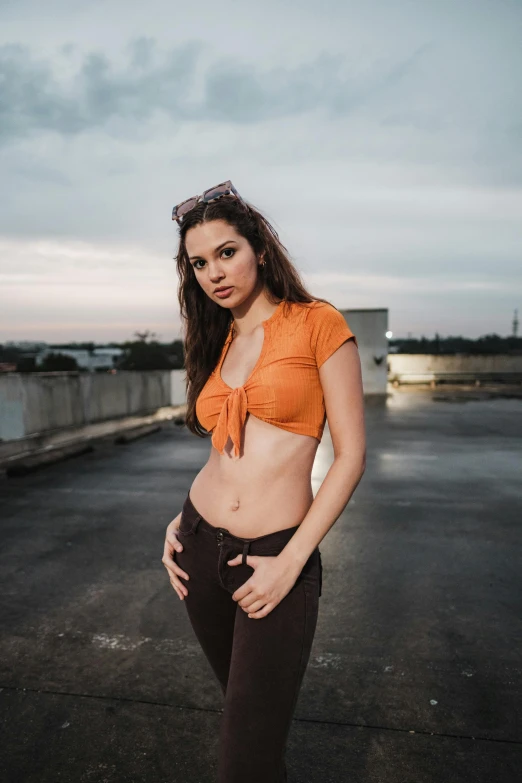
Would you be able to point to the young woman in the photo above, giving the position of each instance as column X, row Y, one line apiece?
column 266, row 364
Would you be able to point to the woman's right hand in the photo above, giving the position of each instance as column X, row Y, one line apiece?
column 174, row 571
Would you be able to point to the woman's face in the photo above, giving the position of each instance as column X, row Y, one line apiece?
column 221, row 257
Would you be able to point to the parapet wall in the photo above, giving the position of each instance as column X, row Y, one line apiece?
column 422, row 368
column 36, row 403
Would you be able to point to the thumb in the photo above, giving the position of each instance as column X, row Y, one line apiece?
column 251, row 560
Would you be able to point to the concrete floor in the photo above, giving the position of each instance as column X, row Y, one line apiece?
column 415, row 673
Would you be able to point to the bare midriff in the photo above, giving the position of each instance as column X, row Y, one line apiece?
column 268, row 488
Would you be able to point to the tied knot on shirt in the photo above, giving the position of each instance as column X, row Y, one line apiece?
column 231, row 421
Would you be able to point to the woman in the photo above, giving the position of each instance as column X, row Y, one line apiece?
column 266, row 363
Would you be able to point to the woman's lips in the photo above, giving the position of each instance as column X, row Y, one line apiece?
column 225, row 292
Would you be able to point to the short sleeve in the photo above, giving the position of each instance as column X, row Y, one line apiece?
column 328, row 331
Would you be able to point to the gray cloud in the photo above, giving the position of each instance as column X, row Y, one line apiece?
column 35, row 98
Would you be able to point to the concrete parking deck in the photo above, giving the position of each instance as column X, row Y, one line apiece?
column 415, row 673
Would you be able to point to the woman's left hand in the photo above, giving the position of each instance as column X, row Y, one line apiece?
column 268, row 585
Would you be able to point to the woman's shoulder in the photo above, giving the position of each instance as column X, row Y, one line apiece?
column 318, row 311
column 328, row 329
column 318, row 327
column 310, row 314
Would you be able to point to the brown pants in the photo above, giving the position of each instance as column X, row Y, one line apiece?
column 259, row 662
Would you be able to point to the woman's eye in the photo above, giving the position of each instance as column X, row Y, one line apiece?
column 202, row 260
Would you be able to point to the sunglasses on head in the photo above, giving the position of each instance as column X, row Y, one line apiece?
column 223, row 189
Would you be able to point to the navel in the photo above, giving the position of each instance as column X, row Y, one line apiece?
column 235, row 505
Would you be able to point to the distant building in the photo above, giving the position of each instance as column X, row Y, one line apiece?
column 99, row 359
column 370, row 326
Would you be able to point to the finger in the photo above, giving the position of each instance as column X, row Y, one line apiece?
column 174, row 569
column 173, row 542
column 180, row 595
column 169, row 554
column 252, row 598
column 243, row 591
column 178, row 587
column 251, row 560
column 254, row 606
column 262, row 612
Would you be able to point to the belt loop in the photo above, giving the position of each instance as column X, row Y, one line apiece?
column 198, row 520
column 245, row 552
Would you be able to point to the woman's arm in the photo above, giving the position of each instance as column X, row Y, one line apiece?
column 341, row 380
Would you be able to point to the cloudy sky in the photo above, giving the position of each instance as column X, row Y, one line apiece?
column 382, row 139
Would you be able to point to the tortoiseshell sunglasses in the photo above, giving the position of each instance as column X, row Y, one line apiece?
column 223, row 189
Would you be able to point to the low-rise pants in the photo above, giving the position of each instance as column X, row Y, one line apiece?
column 259, row 662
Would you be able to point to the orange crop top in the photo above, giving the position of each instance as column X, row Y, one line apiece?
column 284, row 388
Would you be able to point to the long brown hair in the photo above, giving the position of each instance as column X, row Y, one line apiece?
column 206, row 323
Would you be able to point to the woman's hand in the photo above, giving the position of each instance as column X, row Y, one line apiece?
column 268, row 585
column 174, row 571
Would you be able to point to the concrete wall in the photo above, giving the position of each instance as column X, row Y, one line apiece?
column 177, row 387
column 42, row 402
column 370, row 327
column 419, row 368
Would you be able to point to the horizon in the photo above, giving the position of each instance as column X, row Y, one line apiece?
column 168, row 341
